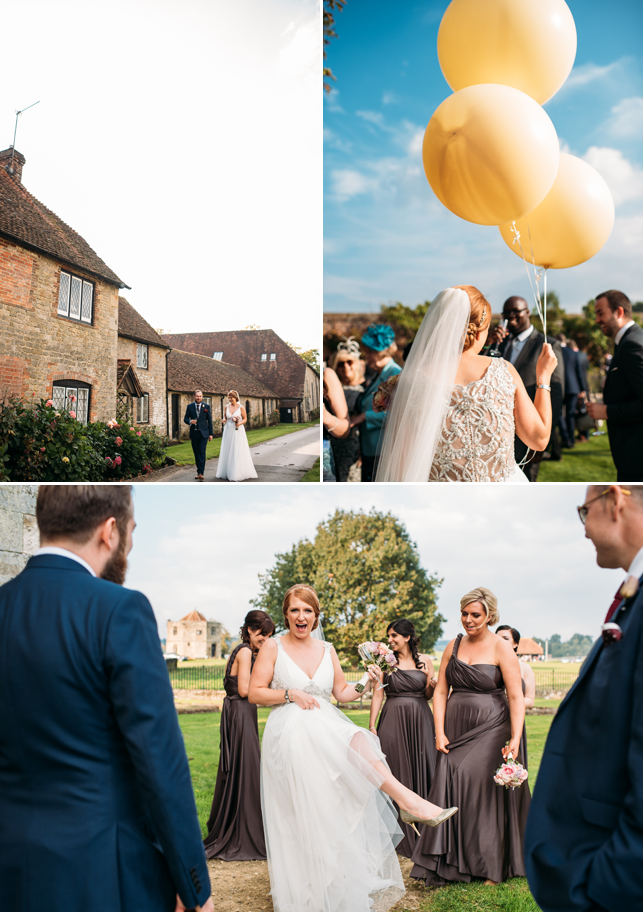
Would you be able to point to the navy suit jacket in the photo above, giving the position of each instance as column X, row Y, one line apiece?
column 204, row 421
column 573, row 375
column 584, row 837
column 97, row 810
column 623, row 396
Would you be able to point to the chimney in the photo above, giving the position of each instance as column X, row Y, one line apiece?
column 12, row 161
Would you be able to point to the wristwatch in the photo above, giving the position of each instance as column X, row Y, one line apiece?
column 287, row 696
column 543, row 386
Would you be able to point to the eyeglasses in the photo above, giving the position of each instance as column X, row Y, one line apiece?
column 508, row 314
column 582, row 511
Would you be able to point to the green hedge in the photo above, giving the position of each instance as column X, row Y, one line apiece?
column 39, row 443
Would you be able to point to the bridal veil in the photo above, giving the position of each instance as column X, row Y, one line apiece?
column 423, row 392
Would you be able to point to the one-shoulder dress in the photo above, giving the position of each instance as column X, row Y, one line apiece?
column 235, row 827
column 484, row 840
column 407, row 735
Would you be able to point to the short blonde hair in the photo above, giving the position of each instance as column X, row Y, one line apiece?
column 306, row 594
column 488, row 601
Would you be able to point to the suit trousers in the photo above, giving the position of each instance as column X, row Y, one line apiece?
column 567, row 423
column 199, row 444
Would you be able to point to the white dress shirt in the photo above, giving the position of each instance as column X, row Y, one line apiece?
column 636, row 567
column 518, row 343
column 619, row 335
column 63, row 552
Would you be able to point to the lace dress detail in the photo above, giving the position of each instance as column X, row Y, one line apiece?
column 477, row 440
column 282, row 679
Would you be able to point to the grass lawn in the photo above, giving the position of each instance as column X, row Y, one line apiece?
column 313, row 474
column 590, row 462
column 183, row 454
column 201, row 733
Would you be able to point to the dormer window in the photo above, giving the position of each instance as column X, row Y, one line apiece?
column 217, row 356
column 141, row 355
column 75, row 298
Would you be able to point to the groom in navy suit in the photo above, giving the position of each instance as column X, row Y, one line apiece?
column 97, row 811
column 584, row 838
column 199, row 418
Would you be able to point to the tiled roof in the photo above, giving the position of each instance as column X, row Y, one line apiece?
column 187, row 372
column 194, row 616
column 529, row 647
column 244, row 347
column 132, row 325
column 126, row 378
column 25, row 220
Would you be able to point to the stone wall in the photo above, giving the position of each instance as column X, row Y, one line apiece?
column 152, row 379
column 194, row 639
column 18, row 530
column 39, row 346
column 257, row 410
column 311, row 393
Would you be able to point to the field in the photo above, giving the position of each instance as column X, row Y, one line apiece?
column 590, row 462
column 201, row 733
column 183, row 454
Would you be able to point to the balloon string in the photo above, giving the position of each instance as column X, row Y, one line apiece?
column 534, row 290
column 539, row 272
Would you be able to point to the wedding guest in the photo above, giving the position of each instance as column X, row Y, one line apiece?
column 476, row 726
column 622, row 404
column 574, row 391
column 528, row 681
column 584, row 840
column 378, row 344
column 521, row 344
column 235, row 826
column 335, row 420
column 97, row 809
column 405, row 726
column 350, row 369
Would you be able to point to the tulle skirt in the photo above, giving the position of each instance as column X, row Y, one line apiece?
column 235, row 461
column 330, row 833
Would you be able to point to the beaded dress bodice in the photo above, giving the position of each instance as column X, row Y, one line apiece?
column 288, row 674
column 477, row 440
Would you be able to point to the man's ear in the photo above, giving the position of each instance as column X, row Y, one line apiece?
column 108, row 533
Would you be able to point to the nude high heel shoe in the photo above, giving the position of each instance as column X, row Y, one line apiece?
column 432, row 822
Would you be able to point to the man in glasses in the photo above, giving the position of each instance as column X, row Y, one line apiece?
column 584, row 837
column 622, row 404
column 521, row 343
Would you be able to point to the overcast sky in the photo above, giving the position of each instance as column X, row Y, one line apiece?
column 203, row 548
column 183, row 142
column 387, row 238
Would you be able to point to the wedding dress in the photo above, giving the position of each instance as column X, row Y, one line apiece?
column 330, row 832
column 477, row 439
column 235, row 461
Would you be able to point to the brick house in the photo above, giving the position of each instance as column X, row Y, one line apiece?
column 187, row 372
column 195, row 637
column 58, row 306
column 142, row 369
column 265, row 356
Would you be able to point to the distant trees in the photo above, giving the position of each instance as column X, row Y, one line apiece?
column 577, row 645
column 310, row 355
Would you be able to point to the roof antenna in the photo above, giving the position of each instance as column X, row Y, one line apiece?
column 13, row 148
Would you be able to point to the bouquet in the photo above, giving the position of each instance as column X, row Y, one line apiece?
column 384, row 395
column 373, row 653
column 511, row 774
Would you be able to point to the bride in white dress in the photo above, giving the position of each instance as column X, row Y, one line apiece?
column 235, row 461
column 330, row 828
column 455, row 413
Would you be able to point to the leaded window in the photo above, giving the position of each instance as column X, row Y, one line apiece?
column 217, row 356
column 264, row 357
column 75, row 298
column 273, row 356
column 141, row 355
column 143, row 409
column 72, row 398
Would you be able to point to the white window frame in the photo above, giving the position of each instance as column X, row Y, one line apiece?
column 61, row 396
column 217, row 356
column 143, row 409
column 273, row 356
column 142, row 355
column 207, row 400
column 264, row 357
column 75, row 298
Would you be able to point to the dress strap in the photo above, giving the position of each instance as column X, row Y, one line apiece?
column 456, row 645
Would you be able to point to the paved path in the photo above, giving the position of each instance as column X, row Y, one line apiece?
column 282, row 459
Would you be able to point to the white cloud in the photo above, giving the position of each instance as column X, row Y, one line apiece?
column 373, row 117
column 333, row 141
column 331, row 101
column 586, row 73
column 347, row 183
column 627, row 118
column 389, row 98
column 624, row 179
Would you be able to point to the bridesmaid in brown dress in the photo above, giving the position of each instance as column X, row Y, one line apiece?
column 405, row 728
column 528, row 682
column 235, row 827
column 473, row 725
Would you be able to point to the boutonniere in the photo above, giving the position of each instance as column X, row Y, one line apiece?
column 629, row 587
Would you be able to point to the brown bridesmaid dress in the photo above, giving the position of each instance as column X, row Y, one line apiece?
column 235, row 827
column 407, row 736
column 484, row 840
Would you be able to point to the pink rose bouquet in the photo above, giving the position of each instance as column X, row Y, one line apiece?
column 384, row 395
column 374, row 653
column 511, row 774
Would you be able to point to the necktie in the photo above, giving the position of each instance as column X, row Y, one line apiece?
column 616, row 604
column 198, row 409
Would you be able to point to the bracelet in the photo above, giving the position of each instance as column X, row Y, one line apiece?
column 543, row 386
column 330, row 430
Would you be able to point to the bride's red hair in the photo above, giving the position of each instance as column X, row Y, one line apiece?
column 480, row 314
column 306, row 594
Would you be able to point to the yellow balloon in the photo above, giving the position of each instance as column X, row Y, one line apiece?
column 527, row 44
column 490, row 154
column 572, row 223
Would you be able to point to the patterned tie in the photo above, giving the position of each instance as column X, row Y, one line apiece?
column 610, row 631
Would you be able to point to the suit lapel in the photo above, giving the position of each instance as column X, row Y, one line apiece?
column 526, row 349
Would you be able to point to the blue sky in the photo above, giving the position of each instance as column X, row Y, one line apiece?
column 387, row 238
column 197, row 547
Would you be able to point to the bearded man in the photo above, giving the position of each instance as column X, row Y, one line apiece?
column 97, row 810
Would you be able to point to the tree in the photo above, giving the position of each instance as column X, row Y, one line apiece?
column 366, row 571
column 252, row 326
column 330, row 8
column 310, row 355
